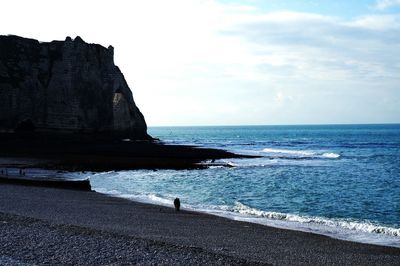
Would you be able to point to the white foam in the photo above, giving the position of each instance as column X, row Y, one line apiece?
column 366, row 227
column 346, row 229
column 301, row 153
column 269, row 161
column 331, row 155
column 294, row 152
column 159, row 200
column 145, row 198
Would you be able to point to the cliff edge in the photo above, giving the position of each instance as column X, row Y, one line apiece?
column 65, row 87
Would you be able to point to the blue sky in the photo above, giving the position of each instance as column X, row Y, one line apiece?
column 340, row 8
column 210, row 62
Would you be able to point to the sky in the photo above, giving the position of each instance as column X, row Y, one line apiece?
column 239, row 62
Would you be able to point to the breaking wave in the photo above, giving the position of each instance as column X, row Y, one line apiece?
column 331, row 155
column 347, row 229
column 366, row 227
column 300, row 153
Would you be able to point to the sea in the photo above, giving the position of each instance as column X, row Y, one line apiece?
column 342, row 181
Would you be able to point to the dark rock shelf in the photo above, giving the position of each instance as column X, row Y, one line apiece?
column 63, row 184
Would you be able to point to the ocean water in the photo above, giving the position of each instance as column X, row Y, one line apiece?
column 338, row 180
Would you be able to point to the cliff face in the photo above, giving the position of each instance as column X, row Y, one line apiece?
column 65, row 86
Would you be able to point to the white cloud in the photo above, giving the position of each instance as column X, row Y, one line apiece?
column 384, row 4
column 323, row 47
column 203, row 62
column 377, row 22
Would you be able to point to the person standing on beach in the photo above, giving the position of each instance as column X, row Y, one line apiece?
column 177, row 204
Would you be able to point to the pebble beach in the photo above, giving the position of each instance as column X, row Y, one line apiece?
column 49, row 226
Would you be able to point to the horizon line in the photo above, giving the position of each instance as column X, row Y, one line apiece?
column 260, row 125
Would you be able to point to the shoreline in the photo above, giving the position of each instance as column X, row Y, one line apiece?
column 322, row 228
column 343, row 234
column 340, row 233
column 247, row 242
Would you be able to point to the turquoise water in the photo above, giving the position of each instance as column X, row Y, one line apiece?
column 338, row 180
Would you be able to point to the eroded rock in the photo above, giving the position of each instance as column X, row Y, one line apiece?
column 65, row 86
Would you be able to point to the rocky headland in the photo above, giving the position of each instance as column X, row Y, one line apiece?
column 65, row 87
column 67, row 104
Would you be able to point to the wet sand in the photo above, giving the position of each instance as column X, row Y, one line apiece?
column 78, row 227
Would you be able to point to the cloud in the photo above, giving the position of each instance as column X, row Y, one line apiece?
column 384, row 4
column 323, row 47
column 204, row 62
column 377, row 22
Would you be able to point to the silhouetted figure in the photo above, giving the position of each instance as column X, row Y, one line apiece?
column 177, row 204
column 20, row 171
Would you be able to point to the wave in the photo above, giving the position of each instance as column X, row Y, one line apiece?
column 366, row 227
column 300, row 153
column 346, row 229
column 330, row 155
column 295, row 152
column 145, row 198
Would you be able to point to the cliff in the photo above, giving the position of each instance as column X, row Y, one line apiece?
column 65, row 87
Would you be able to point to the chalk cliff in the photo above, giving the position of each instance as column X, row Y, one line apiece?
column 65, row 87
